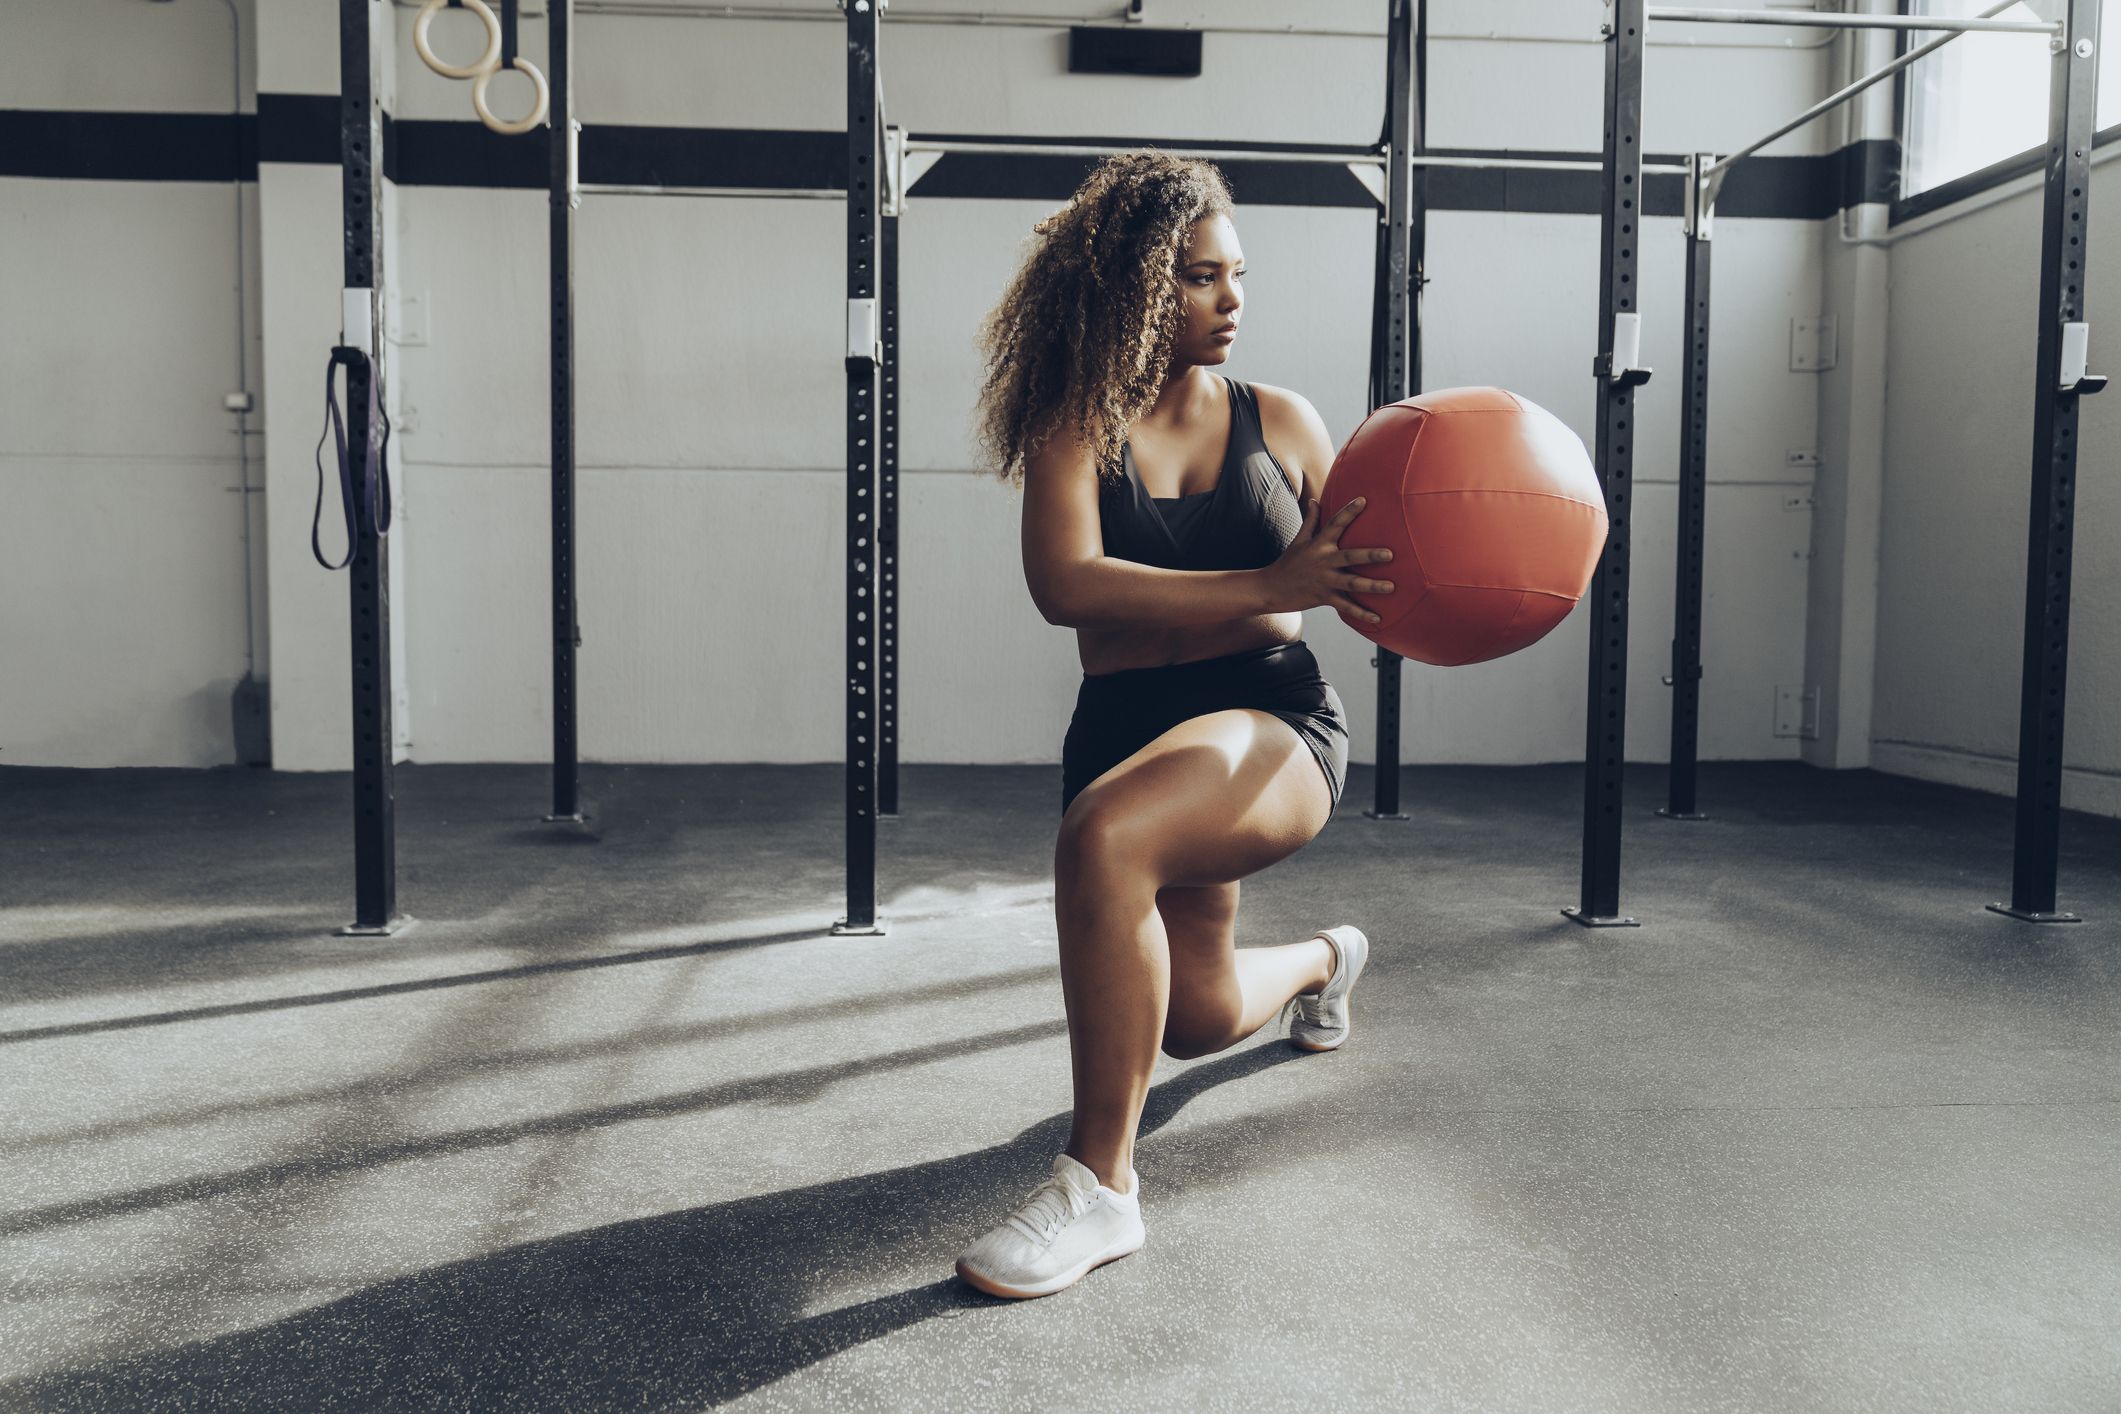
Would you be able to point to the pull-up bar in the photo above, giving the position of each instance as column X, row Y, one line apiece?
column 1332, row 156
column 1534, row 164
column 1349, row 157
column 1984, row 24
column 622, row 189
column 1713, row 177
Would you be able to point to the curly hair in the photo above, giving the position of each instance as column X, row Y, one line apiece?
column 1084, row 334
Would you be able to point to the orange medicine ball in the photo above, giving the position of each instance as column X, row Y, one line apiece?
column 1493, row 513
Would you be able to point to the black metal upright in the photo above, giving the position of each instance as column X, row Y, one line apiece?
column 887, row 534
column 864, row 357
column 1396, row 334
column 566, row 627
column 1685, row 680
column 1418, row 199
column 363, row 31
column 2059, row 381
column 1619, row 344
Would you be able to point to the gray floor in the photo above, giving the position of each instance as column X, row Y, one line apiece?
column 619, row 1124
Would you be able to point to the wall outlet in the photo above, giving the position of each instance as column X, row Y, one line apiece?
column 1797, row 712
column 1812, row 343
column 1797, row 501
column 1801, row 459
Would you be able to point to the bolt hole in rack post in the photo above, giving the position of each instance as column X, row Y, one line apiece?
column 2061, row 379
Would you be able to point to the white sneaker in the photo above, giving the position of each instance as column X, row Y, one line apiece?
column 1320, row 1022
column 1070, row 1225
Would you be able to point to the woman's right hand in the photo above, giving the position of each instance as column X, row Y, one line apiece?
column 1314, row 569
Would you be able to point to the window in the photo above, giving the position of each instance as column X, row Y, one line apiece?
column 1982, row 99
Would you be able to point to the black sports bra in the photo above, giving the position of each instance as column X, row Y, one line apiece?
column 1243, row 522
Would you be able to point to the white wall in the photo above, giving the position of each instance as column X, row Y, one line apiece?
column 710, row 392
column 1958, row 466
column 122, row 563
column 710, row 426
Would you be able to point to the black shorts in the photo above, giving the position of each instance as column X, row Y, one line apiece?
column 1117, row 714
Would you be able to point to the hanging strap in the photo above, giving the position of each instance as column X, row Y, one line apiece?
column 368, row 501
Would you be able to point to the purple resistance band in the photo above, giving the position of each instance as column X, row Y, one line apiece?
column 373, row 493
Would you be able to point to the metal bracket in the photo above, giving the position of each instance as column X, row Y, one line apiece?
column 398, row 923
column 1372, row 178
column 902, row 169
column 1619, row 366
column 1814, row 343
column 2076, row 352
column 894, row 170
column 2031, row 916
column 1703, row 185
column 1593, row 920
column 864, row 332
column 574, row 163
column 357, row 319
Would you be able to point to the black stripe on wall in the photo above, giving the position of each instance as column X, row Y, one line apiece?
column 427, row 152
column 1788, row 188
column 442, row 153
column 1044, row 177
column 1870, row 171
column 711, row 157
column 304, row 127
column 128, row 147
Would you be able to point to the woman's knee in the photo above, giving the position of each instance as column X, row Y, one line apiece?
column 1098, row 836
column 1204, row 1010
column 1193, row 1038
column 1184, row 1048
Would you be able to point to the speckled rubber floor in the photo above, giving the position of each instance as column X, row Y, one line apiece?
column 619, row 1125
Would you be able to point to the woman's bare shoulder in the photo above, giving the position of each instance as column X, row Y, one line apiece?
column 1295, row 433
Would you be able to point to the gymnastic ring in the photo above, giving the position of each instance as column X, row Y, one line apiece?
column 520, row 125
column 486, row 63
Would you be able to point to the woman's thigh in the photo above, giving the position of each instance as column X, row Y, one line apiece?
column 1214, row 798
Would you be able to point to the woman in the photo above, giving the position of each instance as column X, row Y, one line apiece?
column 1171, row 519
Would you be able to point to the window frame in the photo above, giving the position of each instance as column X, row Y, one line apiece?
column 1906, row 208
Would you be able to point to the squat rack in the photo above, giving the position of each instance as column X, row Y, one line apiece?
column 882, row 162
column 1386, row 168
column 1390, row 168
column 879, row 162
column 2061, row 379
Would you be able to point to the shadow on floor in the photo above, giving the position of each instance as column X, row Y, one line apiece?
column 687, row 1307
